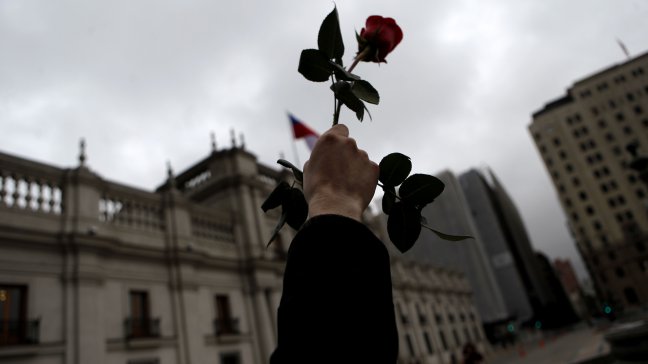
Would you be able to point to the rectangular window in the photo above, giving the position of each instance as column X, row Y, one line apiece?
column 14, row 328
column 225, row 323
column 428, row 343
column 439, row 319
column 444, row 343
column 139, row 305
column 410, row 346
column 456, row 338
column 139, row 324
column 230, row 358
column 144, row 361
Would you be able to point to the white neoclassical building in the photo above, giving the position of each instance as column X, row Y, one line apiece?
column 93, row 271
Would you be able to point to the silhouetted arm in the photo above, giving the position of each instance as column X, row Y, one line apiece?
column 337, row 303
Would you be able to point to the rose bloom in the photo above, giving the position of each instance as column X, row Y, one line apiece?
column 381, row 35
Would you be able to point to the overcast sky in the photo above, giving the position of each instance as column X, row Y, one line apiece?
column 146, row 81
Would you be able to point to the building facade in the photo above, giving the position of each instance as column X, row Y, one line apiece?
column 573, row 289
column 512, row 288
column 548, row 302
column 496, row 241
column 93, row 271
column 582, row 139
column 452, row 214
column 435, row 314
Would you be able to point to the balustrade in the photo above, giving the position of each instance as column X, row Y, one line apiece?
column 123, row 206
column 206, row 224
column 197, row 181
column 30, row 186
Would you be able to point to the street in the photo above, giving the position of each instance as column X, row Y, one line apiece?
column 569, row 347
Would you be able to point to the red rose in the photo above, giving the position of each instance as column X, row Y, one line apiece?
column 378, row 38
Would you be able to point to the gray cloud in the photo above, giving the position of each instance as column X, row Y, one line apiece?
column 146, row 81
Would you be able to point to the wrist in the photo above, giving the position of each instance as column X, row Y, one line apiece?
column 334, row 204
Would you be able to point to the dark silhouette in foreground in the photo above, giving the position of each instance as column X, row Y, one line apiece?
column 336, row 305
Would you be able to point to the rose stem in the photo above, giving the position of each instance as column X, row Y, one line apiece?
column 356, row 60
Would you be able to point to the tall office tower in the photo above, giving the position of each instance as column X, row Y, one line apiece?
column 497, row 240
column 528, row 285
column 582, row 138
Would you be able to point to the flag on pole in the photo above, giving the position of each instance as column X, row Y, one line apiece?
column 300, row 130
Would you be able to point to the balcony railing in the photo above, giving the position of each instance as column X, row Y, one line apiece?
column 19, row 332
column 226, row 327
column 142, row 328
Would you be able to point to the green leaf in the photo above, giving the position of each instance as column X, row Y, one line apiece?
column 295, row 205
column 343, row 93
column 276, row 196
column 421, row 189
column 389, row 198
column 329, row 39
column 299, row 175
column 314, row 65
column 365, row 91
column 341, row 73
column 280, row 224
column 403, row 225
column 394, row 168
column 447, row 236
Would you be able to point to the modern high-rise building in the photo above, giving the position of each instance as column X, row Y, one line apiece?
column 582, row 139
column 509, row 285
column 494, row 240
column 528, row 284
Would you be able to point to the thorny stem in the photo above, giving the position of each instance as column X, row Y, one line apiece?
column 337, row 106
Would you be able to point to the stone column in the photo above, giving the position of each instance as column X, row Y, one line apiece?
column 81, row 277
column 81, row 194
column 178, row 232
column 264, row 325
column 89, row 337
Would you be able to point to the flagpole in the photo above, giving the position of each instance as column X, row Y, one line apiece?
column 623, row 48
column 294, row 145
column 294, row 140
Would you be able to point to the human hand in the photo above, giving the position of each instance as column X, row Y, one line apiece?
column 339, row 178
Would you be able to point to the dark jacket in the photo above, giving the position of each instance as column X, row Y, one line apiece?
column 337, row 303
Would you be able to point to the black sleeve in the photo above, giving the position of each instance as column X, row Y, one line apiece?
column 336, row 305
